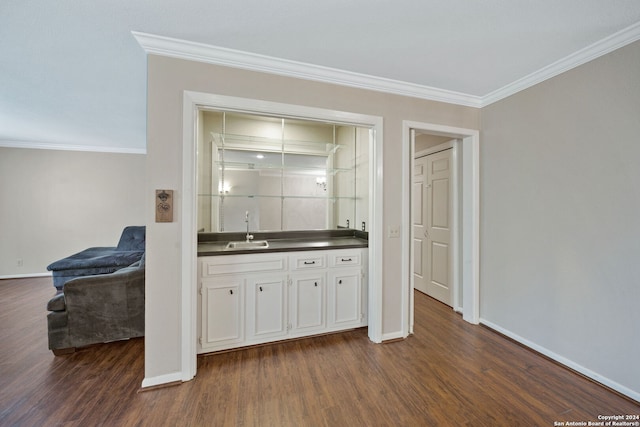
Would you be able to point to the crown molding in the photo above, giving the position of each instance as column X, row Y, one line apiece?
column 200, row 52
column 4, row 143
column 602, row 47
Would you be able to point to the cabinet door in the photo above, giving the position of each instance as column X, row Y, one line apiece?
column 345, row 298
column 266, row 307
column 308, row 302
column 222, row 312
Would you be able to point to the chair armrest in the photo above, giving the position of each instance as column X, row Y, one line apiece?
column 56, row 303
column 106, row 307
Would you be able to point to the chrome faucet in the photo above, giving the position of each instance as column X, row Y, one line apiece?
column 246, row 219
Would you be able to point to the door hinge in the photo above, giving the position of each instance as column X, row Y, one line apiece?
column 200, row 340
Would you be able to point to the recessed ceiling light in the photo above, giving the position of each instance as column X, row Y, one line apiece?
column 260, row 156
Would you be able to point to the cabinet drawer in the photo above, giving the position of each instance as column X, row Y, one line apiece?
column 340, row 259
column 233, row 264
column 308, row 261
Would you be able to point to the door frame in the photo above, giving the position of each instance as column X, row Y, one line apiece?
column 192, row 103
column 468, row 237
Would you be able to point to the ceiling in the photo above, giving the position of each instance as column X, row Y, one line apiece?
column 73, row 76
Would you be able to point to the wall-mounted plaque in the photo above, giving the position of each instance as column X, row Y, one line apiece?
column 164, row 205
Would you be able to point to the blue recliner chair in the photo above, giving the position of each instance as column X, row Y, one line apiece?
column 100, row 260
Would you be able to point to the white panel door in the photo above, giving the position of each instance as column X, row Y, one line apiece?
column 435, row 250
column 419, row 223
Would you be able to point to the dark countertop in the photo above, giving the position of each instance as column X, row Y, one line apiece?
column 215, row 243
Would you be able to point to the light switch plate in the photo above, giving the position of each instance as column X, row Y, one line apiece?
column 394, row 231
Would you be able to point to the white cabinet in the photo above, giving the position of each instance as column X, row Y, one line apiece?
column 222, row 321
column 345, row 298
column 226, row 320
column 307, row 306
column 266, row 307
column 258, row 298
column 308, row 292
column 346, row 294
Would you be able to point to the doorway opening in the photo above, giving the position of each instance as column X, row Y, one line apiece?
column 434, row 212
column 464, row 237
column 193, row 102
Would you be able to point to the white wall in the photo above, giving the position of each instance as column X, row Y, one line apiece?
column 56, row 203
column 167, row 79
column 560, row 215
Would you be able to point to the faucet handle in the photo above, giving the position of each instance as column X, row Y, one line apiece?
column 246, row 219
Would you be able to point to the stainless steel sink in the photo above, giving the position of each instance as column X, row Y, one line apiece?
column 252, row 244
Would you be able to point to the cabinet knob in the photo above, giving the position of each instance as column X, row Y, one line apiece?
column 340, row 282
column 309, row 262
column 230, row 291
column 346, row 259
column 315, row 284
column 260, row 288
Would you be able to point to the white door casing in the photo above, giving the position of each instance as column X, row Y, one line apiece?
column 466, row 257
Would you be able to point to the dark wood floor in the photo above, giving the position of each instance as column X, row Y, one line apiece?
column 450, row 373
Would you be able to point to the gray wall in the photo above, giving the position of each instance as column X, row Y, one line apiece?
column 55, row 203
column 560, row 216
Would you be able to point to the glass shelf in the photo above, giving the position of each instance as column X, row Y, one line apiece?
column 263, row 196
column 249, row 142
column 242, row 166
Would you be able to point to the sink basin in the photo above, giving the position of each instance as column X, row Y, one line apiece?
column 253, row 244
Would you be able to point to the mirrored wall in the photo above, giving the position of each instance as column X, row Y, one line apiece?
column 288, row 174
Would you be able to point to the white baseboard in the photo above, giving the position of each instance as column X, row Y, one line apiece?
column 393, row 336
column 564, row 361
column 25, row 276
column 162, row 379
